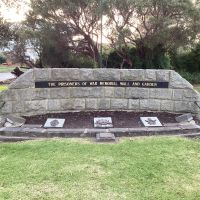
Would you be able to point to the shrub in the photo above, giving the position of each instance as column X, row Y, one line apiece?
column 2, row 59
column 192, row 77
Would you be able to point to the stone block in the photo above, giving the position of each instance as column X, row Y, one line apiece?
column 134, row 104
column 150, row 75
column 91, row 104
column 105, row 137
column 119, row 92
column 79, row 104
column 2, row 121
column 178, row 94
column 6, row 107
column 40, row 93
column 42, row 74
column 106, row 75
column 15, row 119
column 137, row 93
column 184, row 106
column 119, row 104
column 67, row 104
column 163, row 75
column 59, row 93
column 176, row 81
column 72, row 104
column 160, row 93
column 167, row 105
column 54, row 105
column 89, row 92
column 37, row 105
column 26, row 80
column 86, row 75
column 132, row 75
column 191, row 95
column 109, row 92
column 68, row 74
column 184, row 118
column 25, row 94
column 150, row 104
column 186, row 95
column 10, row 95
column 18, row 107
column 3, row 94
column 103, row 104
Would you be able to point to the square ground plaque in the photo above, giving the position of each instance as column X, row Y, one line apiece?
column 54, row 123
column 103, row 122
column 150, row 121
column 105, row 137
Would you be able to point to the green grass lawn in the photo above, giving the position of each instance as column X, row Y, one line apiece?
column 3, row 87
column 4, row 69
column 197, row 87
column 142, row 169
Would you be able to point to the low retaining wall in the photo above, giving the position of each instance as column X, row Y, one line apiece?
column 41, row 91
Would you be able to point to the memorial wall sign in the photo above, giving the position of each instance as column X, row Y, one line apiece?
column 143, row 84
column 51, row 90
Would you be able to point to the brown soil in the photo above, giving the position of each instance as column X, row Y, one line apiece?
column 121, row 119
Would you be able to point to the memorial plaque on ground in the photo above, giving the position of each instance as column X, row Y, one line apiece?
column 150, row 121
column 54, row 123
column 103, row 122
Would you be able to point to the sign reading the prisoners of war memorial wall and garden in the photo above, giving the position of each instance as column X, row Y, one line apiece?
column 143, row 84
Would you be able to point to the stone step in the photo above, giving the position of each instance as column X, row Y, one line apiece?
column 15, row 139
column 192, row 135
column 105, row 137
column 119, row 132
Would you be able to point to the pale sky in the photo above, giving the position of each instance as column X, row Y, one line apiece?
column 14, row 14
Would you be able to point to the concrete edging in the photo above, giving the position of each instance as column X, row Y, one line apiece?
column 33, row 133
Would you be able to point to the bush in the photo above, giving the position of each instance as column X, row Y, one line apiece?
column 192, row 77
column 140, row 58
column 2, row 59
column 187, row 61
column 80, row 61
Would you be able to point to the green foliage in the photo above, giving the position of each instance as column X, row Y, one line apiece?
column 64, row 27
column 6, row 33
column 187, row 61
column 2, row 59
column 197, row 87
column 140, row 58
column 80, row 61
column 152, row 26
column 113, row 60
column 192, row 77
column 3, row 87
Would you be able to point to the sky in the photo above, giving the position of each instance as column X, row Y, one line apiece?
column 12, row 14
column 15, row 12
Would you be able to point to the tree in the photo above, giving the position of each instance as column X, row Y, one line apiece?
column 76, row 24
column 152, row 25
column 6, row 33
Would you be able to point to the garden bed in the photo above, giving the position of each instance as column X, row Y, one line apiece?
column 121, row 119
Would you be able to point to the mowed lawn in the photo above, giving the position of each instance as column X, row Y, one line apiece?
column 137, row 169
column 3, row 87
column 4, row 69
column 197, row 87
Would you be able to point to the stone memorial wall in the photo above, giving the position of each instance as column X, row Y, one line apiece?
column 41, row 91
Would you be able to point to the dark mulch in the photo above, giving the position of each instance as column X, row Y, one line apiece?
column 121, row 119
